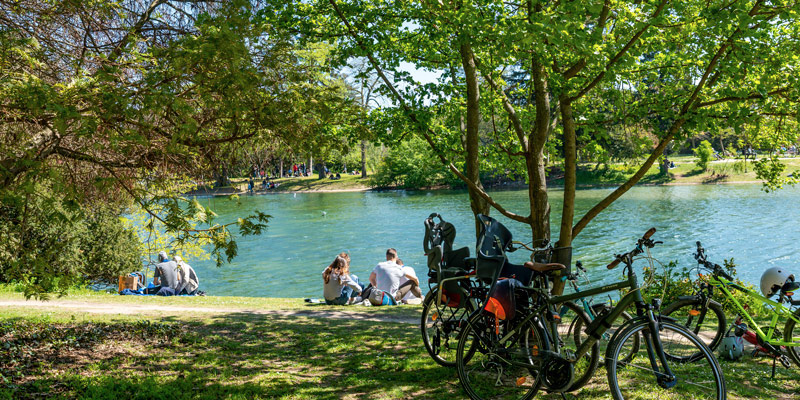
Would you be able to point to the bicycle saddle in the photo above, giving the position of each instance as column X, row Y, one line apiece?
column 539, row 267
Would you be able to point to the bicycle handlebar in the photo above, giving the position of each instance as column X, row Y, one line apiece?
column 644, row 241
column 716, row 269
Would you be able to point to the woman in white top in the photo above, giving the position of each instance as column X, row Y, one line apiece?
column 339, row 286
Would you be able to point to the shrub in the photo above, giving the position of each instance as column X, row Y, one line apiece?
column 672, row 282
column 410, row 165
column 703, row 154
column 49, row 244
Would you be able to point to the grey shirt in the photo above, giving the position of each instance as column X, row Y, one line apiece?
column 387, row 276
column 189, row 279
column 167, row 271
column 333, row 289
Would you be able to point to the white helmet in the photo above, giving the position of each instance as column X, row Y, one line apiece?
column 774, row 279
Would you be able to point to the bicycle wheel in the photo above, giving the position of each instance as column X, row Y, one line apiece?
column 571, row 334
column 790, row 336
column 708, row 324
column 605, row 340
column 638, row 379
column 508, row 370
column 441, row 326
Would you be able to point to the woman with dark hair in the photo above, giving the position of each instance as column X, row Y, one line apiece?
column 339, row 286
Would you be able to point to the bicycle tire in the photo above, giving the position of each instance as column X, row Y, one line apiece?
column 488, row 373
column 692, row 380
column 438, row 332
column 788, row 336
column 575, row 322
column 710, row 329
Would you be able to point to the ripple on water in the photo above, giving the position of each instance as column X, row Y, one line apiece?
column 732, row 221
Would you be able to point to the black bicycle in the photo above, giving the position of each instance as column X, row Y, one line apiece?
column 514, row 357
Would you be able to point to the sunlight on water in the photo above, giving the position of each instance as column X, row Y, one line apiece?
column 309, row 229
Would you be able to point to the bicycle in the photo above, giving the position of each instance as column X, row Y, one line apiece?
column 517, row 356
column 593, row 310
column 693, row 313
column 455, row 286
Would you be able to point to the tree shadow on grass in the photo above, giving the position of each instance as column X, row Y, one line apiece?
column 252, row 356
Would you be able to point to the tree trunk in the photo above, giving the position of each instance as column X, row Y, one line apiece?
column 570, row 179
column 280, row 173
column 363, row 159
column 310, row 165
column 321, row 170
column 537, row 178
column 478, row 204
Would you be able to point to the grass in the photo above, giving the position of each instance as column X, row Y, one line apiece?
column 313, row 184
column 685, row 172
column 237, row 354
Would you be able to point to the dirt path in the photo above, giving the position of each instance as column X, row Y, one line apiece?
column 137, row 309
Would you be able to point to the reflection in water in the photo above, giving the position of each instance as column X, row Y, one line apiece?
column 309, row 229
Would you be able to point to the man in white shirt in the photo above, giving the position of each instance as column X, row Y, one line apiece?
column 386, row 275
column 408, row 293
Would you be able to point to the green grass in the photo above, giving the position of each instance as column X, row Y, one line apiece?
column 685, row 172
column 312, row 183
column 242, row 355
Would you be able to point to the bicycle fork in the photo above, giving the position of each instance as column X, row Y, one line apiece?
column 655, row 352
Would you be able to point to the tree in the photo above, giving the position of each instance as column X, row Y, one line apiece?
column 703, row 154
column 679, row 66
column 115, row 102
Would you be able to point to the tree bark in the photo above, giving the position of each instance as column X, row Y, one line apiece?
column 471, row 145
column 363, row 159
column 570, row 179
column 280, row 173
column 321, row 170
column 537, row 177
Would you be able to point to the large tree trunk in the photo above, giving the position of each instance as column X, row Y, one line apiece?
column 570, row 179
column 363, row 159
column 471, row 144
column 280, row 173
column 537, row 178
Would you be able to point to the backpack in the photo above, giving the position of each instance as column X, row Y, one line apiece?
column 378, row 297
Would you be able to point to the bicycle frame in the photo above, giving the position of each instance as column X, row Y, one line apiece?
column 778, row 309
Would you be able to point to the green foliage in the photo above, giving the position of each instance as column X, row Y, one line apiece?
column 411, row 164
column 770, row 170
column 671, row 282
column 704, row 152
column 49, row 243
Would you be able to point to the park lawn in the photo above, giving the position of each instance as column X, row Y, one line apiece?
column 685, row 172
column 314, row 184
column 240, row 355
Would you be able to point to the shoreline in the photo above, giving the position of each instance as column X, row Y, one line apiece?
column 227, row 192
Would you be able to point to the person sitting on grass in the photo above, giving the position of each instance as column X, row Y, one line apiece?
column 409, row 291
column 385, row 281
column 340, row 287
column 189, row 282
column 165, row 277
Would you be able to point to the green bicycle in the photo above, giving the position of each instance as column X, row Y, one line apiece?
column 705, row 317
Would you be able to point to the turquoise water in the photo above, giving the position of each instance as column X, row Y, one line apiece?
column 308, row 229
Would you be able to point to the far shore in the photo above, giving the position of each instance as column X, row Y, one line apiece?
column 228, row 191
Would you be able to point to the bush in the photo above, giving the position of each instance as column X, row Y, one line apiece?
column 703, row 154
column 49, row 243
column 672, row 282
column 410, row 165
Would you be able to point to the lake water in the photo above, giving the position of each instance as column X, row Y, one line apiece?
column 758, row 229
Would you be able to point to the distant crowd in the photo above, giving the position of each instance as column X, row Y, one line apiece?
column 390, row 283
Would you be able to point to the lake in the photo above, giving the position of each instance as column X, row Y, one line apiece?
column 755, row 228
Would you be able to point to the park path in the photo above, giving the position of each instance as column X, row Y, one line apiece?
column 149, row 309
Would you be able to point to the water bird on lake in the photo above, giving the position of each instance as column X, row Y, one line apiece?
column 324, row 213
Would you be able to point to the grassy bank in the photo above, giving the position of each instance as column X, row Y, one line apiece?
column 684, row 173
column 227, row 350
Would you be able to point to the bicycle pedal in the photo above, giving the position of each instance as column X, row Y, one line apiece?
column 785, row 362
